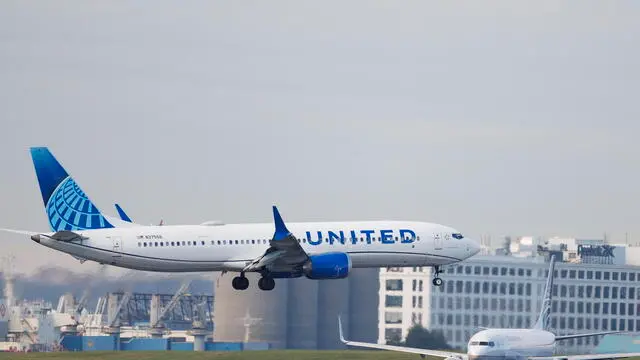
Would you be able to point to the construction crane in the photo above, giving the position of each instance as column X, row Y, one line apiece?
column 157, row 317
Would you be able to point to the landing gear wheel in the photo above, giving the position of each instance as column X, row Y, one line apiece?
column 266, row 283
column 436, row 280
column 240, row 282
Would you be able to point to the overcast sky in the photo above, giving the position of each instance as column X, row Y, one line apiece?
column 494, row 117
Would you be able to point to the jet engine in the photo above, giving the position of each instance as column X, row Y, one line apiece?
column 327, row 266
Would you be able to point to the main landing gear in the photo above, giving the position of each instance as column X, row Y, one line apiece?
column 240, row 282
column 437, row 281
column 265, row 283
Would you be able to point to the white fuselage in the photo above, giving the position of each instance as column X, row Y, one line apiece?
column 186, row 248
column 512, row 344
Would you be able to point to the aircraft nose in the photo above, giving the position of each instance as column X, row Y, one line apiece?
column 473, row 247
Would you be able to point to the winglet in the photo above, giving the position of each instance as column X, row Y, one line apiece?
column 340, row 330
column 281, row 229
column 122, row 214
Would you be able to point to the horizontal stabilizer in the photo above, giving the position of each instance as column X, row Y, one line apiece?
column 21, row 232
column 66, row 236
column 586, row 357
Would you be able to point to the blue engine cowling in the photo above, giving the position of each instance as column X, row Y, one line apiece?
column 327, row 266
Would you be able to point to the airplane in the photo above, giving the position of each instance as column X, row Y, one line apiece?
column 316, row 250
column 537, row 343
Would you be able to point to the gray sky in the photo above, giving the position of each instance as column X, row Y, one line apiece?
column 494, row 117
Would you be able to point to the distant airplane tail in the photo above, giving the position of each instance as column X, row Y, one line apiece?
column 67, row 206
column 545, row 311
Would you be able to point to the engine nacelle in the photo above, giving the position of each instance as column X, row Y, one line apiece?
column 327, row 266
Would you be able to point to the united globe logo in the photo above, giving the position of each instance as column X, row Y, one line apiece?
column 70, row 209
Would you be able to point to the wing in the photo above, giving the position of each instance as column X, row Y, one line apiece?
column 285, row 253
column 587, row 357
column 422, row 352
column 573, row 336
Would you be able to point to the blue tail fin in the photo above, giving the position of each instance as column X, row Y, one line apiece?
column 67, row 206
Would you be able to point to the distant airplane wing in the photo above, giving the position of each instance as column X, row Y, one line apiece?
column 574, row 336
column 587, row 357
column 422, row 352
column 285, row 254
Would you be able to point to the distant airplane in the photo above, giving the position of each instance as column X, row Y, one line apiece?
column 317, row 250
column 537, row 343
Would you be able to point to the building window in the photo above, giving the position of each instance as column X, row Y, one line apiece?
column 572, row 274
column 623, row 276
column 393, row 335
column 392, row 317
column 393, row 301
column 615, row 275
column 580, row 274
column 394, row 285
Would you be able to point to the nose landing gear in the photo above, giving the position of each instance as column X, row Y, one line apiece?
column 437, row 281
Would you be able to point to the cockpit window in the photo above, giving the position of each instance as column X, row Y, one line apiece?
column 483, row 343
column 457, row 236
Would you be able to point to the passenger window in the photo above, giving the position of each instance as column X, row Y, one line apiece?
column 145, row 244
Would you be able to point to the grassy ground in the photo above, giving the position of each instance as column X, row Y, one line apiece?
column 232, row 355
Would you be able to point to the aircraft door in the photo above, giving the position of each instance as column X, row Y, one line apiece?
column 437, row 241
column 117, row 246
